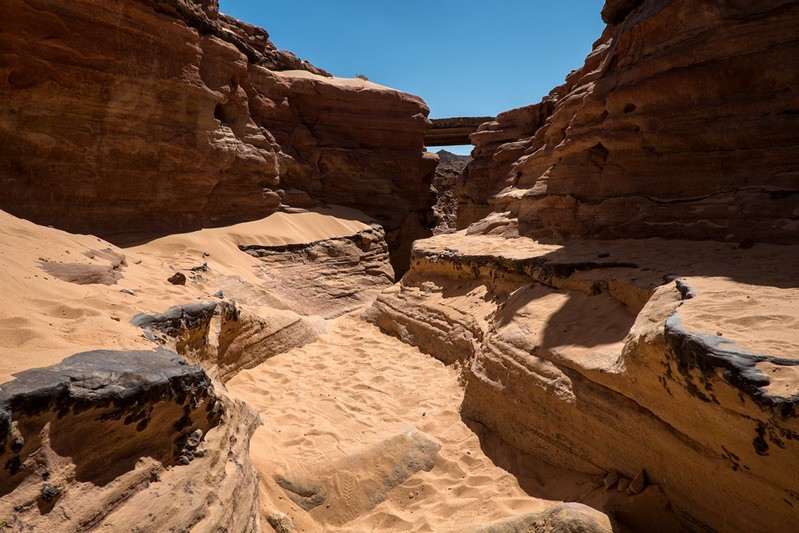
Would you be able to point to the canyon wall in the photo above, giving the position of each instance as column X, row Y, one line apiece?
column 145, row 117
column 681, row 123
column 666, row 362
column 596, row 322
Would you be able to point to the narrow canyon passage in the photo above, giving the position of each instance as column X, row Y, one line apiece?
column 364, row 404
column 241, row 293
column 359, row 388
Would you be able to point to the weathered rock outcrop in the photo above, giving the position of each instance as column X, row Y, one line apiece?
column 448, row 170
column 223, row 336
column 682, row 122
column 497, row 146
column 145, row 117
column 94, row 440
column 122, row 407
column 346, row 272
column 670, row 358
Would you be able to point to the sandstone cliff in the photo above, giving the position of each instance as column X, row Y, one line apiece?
column 681, row 123
column 670, row 362
column 145, row 117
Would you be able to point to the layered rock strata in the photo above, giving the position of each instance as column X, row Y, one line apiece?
column 453, row 131
column 223, row 336
column 328, row 277
column 680, row 123
column 164, row 116
column 91, row 441
column 672, row 359
column 497, row 145
column 448, row 170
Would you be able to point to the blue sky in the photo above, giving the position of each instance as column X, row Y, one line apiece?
column 465, row 57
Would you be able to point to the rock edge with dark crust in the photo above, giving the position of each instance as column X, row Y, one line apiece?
column 124, row 382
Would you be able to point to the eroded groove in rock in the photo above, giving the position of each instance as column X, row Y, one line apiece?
column 585, row 353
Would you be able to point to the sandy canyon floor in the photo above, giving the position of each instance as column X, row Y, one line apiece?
column 356, row 410
column 358, row 430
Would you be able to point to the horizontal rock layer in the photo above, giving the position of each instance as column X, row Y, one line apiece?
column 145, row 117
column 681, row 123
column 452, row 131
column 329, row 277
column 590, row 355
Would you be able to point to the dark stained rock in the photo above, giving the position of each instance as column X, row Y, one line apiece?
column 178, row 278
column 177, row 320
column 103, row 408
column 616, row 10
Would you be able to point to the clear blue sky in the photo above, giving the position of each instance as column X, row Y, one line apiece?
column 464, row 57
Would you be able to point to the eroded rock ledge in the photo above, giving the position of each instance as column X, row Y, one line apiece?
column 328, row 277
column 599, row 356
column 86, row 442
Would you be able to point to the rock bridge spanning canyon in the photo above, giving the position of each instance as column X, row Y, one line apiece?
column 239, row 319
column 453, row 131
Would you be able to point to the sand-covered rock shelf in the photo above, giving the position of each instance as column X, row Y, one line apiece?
column 663, row 357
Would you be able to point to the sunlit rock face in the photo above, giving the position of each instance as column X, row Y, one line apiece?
column 136, row 118
column 681, row 123
column 666, row 361
column 104, row 432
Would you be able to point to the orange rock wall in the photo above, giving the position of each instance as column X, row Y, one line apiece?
column 130, row 119
column 682, row 123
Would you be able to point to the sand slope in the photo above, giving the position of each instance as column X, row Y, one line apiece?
column 45, row 319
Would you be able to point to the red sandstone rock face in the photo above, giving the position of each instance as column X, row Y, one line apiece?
column 497, row 147
column 682, row 123
column 135, row 118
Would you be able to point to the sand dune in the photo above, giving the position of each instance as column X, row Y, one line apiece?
column 45, row 319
